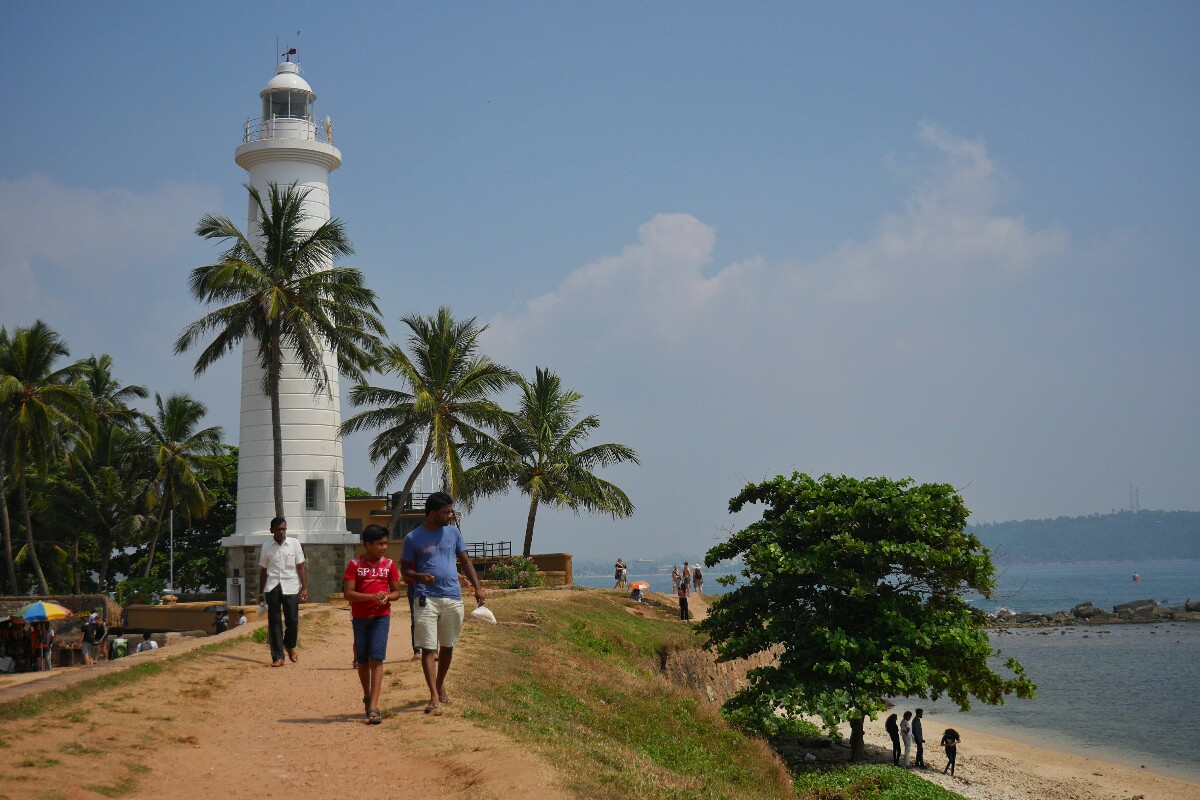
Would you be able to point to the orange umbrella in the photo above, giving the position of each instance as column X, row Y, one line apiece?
column 643, row 585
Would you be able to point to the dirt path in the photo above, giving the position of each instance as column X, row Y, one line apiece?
column 224, row 724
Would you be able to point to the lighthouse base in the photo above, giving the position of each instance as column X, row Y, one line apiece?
column 325, row 562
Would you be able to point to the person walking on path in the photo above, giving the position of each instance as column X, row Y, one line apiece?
column 93, row 634
column 428, row 558
column 893, row 732
column 682, row 591
column 370, row 583
column 919, row 738
column 906, row 736
column 950, row 740
column 283, row 581
column 697, row 580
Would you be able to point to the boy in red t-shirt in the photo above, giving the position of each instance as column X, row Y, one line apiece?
column 371, row 582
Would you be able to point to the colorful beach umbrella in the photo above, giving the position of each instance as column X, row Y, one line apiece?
column 643, row 585
column 42, row 611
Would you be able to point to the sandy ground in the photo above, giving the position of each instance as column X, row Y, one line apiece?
column 993, row 768
column 225, row 724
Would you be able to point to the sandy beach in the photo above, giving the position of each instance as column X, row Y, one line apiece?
column 995, row 768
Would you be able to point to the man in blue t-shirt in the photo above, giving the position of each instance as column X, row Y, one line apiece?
column 429, row 557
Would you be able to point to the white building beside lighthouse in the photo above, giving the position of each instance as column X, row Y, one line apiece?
column 285, row 146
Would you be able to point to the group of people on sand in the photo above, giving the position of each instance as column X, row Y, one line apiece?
column 370, row 583
column 910, row 731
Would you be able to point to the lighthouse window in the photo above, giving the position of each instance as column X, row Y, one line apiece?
column 314, row 495
column 292, row 105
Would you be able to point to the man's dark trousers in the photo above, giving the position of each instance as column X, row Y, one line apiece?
column 283, row 615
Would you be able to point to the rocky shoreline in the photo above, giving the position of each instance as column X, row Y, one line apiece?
column 1135, row 611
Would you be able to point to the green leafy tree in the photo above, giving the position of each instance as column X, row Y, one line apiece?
column 42, row 408
column 539, row 451
column 184, row 453
column 199, row 556
column 103, row 497
column 107, row 399
column 857, row 587
column 444, row 398
column 5, row 521
column 280, row 292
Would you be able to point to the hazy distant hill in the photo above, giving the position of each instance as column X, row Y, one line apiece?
column 1123, row 536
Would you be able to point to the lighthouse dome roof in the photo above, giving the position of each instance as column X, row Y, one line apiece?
column 287, row 78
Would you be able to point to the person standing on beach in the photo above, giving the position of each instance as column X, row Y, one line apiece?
column 370, row 583
column 950, row 740
column 428, row 558
column 620, row 574
column 893, row 732
column 906, row 735
column 697, row 580
column 675, row 577
column 686, row 575
column 283, row 581
column 919, row 737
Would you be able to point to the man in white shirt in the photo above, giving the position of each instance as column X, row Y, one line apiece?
column 147, row 644
column 284, row 585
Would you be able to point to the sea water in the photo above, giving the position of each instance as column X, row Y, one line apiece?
column 1124, row 693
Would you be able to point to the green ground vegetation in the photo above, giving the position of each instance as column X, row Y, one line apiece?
column 576, row 677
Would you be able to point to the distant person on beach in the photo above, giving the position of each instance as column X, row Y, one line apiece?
column 919, row 737
column 697, row 580
column 370, row 583
column 893, row 732
column 675, row 577
column 950, row 740
column 620, row 574
column 428, row 558
column 147, row 644
column 685, row 577
column 283, row 581
column 636, row 594
column 906, row 735
column 682, row 591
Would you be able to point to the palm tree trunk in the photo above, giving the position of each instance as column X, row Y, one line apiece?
column 162, row 514
column 273, row 371
column 412, row 479
column 75, row 564
column 23, row 493
column 6, row 525
column 533, row 507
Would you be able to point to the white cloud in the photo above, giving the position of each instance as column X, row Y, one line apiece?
column 58, row 240
column 661, row 292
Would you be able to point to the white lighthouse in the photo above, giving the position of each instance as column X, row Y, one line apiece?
column 286, row 146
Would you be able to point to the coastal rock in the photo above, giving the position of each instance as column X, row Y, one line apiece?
column 1192, row 605
column 1134, row 605
column 1084, row 611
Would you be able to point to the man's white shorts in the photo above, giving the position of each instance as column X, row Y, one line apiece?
column 438, row 622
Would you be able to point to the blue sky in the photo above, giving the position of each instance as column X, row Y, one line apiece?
column 948, row 240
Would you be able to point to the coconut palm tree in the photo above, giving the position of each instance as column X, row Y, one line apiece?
column 104, row 494
column 538, row 452
column 443, row 399
column 280, row 291
column 106, row 397
column 5, row 523
column 43, row 406
column 182, row 450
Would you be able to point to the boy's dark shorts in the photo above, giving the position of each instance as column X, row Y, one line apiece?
column 370, row 638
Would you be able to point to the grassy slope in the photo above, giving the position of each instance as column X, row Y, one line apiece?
column 575, row 677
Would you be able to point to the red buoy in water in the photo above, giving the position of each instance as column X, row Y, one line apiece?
column 1136, row 577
